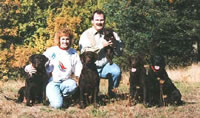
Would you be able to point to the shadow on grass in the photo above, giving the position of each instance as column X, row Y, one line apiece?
column 103, row 100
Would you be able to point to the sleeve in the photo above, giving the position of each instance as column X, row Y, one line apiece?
column 49, row 66
column 27, row 68
column 47, row 53
column 88, row 44
column 101, row 62
column 77, row 65
column 118, row 50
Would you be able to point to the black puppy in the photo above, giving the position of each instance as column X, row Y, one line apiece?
column 35, row 85
column 109, row 36
column 89, row 79
column 162, row 90
column 137, row 80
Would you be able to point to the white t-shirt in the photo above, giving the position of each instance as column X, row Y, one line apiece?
column 63, row 63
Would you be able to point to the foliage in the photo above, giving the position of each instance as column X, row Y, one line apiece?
column 13, row 60
column 154, row 26
column 62, row 19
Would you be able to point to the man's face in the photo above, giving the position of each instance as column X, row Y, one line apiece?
column 64, row 42
column 98, row 21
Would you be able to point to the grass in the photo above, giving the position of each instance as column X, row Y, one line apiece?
column 186, row 79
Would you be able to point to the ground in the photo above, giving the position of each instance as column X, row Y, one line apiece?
column 184, row 78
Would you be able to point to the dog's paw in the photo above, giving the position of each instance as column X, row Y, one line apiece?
column 82, row 106
column 29, row 104
column 46, row 103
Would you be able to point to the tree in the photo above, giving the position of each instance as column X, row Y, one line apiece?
column 153, row 27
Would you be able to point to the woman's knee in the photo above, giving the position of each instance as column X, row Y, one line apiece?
column 56, row 103
column 54, row 95
column 68, row 87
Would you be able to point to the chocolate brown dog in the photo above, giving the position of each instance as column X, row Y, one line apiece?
column 137, row 80
column 109, row 36
column 89, row 79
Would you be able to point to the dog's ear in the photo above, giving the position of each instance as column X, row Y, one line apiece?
column 45, row 58
column 31, row 58
column 141, row 60
column 95, row 56
column 129, row 60
column 82, row 57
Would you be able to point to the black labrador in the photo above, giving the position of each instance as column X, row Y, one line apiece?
column 35, row 84
column 162, row 91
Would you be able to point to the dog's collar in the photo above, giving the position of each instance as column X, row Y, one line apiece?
column 152, row 67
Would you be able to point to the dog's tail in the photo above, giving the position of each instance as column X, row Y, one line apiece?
column 19, row 100
column 7, row 98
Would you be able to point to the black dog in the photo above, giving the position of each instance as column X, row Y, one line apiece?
column 137, row 80
column 89, row 79
column 35, row 85
column 109, row 36
column 162, row 91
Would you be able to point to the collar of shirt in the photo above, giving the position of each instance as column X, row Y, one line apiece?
column 95, row 32
column 69, row 51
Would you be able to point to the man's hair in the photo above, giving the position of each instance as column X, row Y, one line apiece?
column 60, row 33
column 98, row 12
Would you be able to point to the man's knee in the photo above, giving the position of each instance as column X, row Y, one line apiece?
column 115, row 71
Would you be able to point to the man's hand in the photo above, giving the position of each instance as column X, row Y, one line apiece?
column 107, row 43
column 30, row 69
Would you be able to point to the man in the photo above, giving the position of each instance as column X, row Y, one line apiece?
column 93, row 40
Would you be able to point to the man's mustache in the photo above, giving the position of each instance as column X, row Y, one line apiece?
column 99, row 24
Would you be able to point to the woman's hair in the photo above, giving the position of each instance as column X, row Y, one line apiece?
column 60, row 33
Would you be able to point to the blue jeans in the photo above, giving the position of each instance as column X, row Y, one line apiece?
column 56, row 90
column 114, row 72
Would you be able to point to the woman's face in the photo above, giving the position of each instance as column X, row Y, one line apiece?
column 65, row 42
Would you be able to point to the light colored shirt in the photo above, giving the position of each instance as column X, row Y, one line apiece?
column 63, row 63
column 90, row 40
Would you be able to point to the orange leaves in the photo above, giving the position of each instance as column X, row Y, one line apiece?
column 14, row 58
column 171, row 1
column 62, row 20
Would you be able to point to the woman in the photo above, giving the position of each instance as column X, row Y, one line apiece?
column 63, row 62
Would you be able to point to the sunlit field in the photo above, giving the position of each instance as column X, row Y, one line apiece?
column 186, row 79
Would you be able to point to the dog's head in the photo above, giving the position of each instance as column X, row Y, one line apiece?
column 88, row 57
column 109, row 36
column 157, row 62
column 136, row 62
column 38, row 61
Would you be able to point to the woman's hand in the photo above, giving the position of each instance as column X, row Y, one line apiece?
column 77, row 80
column 30, row 69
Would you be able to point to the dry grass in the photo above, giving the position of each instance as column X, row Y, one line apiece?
column 186, row 79
column 188, row 74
